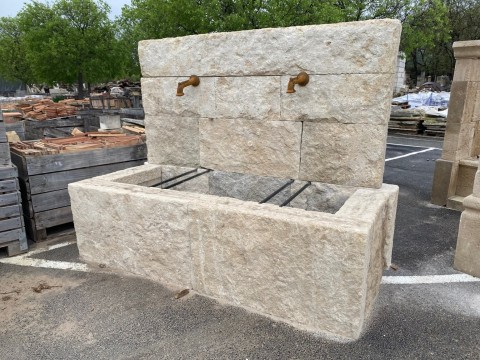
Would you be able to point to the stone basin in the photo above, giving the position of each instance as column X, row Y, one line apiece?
column 318, row 269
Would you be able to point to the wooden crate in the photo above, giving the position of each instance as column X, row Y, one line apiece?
column 12, row 230
column 59, row 127
column 44, row 180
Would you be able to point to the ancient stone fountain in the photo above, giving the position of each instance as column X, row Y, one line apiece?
column 263, row 187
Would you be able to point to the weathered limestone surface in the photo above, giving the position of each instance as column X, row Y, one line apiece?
column 159, row 97
column 172, row 140
column 462, row 135
column 346, row 154
column 345, row 98
column 322, row 197
column 247, row 187
column 139, row 175
column 467, row 253
column 355, row 47
column 252, row 147
column 315, row 270
column 253, row 97
column 126, row 228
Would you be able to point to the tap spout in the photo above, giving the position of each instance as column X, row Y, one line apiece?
column 301, row 79
column 194, row 80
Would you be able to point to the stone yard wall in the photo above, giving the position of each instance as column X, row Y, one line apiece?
column 240, row 118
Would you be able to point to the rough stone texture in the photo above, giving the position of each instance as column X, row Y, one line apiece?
column 159, row 97
column 467, row 49
column 126, row 228
column 468, row 243
column 345, row 154
column 346, row 98
column 314, row 270
column 320, row 197
column 251, row 147
column 355, row 47
column 247, row 187
column 253, row 97
column 172, row 140
column 139, row 175
column 442, row 176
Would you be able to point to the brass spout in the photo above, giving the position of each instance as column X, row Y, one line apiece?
column 301, row 79
column 194, row 81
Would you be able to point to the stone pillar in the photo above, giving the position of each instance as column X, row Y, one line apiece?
column 462, row 136
column 467, row 254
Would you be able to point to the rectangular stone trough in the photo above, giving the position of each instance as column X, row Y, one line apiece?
column 316, row 264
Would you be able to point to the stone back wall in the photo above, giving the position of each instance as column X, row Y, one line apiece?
column 240, row 118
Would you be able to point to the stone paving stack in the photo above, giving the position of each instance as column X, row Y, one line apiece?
column 12, row 230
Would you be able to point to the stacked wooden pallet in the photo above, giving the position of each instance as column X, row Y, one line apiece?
column 12, row 230
column 46, row 168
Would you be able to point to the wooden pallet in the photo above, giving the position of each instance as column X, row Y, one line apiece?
column 12, row 230
column 44, row 181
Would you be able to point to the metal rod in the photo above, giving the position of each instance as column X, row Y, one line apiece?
column 276, row 192
column 296, row 194
column 187, row 179
column 173, row 178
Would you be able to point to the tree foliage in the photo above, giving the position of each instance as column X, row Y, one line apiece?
column 70, row 41
column 13, row 50
column 74, row 40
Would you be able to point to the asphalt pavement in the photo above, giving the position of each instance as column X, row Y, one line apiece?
column 425, row 310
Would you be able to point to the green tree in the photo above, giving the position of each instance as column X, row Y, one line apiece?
column 13, row 61
column 71, row 41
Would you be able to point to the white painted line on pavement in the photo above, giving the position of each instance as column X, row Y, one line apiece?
column 46, row 264
column 429, row 279
column 26, row 260
column 409, row 154
column 414, row 146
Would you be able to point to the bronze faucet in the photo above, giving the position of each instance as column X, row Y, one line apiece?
column 301, row 79
column 194, row 80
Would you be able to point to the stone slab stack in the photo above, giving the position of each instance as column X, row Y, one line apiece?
column 12, row 229
column 455, row 171
column 317, row 264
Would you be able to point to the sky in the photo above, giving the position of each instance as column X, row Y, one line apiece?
column 12, row 7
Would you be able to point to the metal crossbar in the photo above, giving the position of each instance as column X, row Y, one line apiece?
column 173, row 178
column 276, row 192
column 286, row 202
column 187, row 179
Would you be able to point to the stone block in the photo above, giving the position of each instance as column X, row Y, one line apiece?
column 321, row 197
column 343, row 154
column 465, row 179
column 441, row 182
column 467, row 49
column 252, row 97
column 248, row 187
column 343, row 98
column 159, row 97
column 467, row 252
column 270, row 148
column 457, row 101
column 140, row 175
column 354, row 47
column 172, row 140
column 476, row 185
column 130, row 230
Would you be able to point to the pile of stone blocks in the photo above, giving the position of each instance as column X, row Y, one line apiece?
column 317, row 263
column 455, row 171
column 12, row 229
